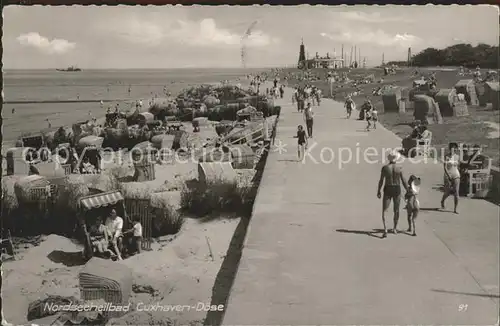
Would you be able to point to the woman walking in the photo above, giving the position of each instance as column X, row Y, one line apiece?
column 451, row 176
column 309, row 115
column 349, row 106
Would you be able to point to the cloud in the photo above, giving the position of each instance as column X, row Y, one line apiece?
column 143, row 33
column 459, row 40
column 204, row 33
column 374, row 17
column 54, row 46
column 378, row 37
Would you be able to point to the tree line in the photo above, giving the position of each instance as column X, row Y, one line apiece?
column 482, row 55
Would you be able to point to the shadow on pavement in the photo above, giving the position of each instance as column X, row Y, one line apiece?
column 484, row 295
column 373, row 233
column 439, row 188
column 431, row 209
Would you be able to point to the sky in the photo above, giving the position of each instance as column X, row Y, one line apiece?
column 148, row 37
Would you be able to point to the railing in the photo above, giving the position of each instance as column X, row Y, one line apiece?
column 248, row 134
column 233, row 142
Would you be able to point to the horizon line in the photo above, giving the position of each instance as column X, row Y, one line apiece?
column 163, row 68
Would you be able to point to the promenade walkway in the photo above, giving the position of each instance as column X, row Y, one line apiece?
column 311, row 255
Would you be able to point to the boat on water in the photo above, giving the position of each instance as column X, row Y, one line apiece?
column 70, row 69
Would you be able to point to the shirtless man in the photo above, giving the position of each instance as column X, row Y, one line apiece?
column 391, row 177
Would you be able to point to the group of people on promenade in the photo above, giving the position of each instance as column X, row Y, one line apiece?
column 392, row 178
column 367, row 112
column 391, row 175
column 305, row 97
column 306, row 94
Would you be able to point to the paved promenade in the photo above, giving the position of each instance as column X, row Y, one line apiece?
column 312, row 254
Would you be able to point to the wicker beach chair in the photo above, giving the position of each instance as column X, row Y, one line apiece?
column 106, row 280
column 141, row 207
column 423, row 145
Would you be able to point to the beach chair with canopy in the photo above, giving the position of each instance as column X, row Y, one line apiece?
column 88, row 203
column 130, row 208
column 45, row 197
column 143, row 209
column 33, row 140
column 423, row 145
column 144, row 156
column 89, row 147
column 17, row 162
column 478, row 172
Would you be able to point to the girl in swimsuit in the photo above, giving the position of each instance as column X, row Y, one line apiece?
column 302, row 141
column 451, row 176
column 349, row 104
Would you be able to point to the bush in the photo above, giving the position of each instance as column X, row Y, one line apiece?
column 167, row 220
column 217, row 196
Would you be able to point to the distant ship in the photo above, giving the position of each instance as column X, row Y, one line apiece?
column 69, row 69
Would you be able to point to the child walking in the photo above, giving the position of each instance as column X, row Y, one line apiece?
column 302, row 142
column 374, row 115
column 368, row 118
column 137, row 234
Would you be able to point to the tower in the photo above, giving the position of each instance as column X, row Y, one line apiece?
column 302, row 55
column 409, row 57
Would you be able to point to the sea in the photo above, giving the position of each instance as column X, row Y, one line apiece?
column 83, row 87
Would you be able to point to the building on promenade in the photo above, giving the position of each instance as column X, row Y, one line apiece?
column 318, row 61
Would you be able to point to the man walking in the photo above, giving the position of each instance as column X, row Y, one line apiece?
column 300, row 100
column 309, row 115
column 391, row 177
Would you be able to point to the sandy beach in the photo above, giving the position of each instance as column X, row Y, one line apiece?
column 218, row 165
column 179, row 271
column 181, row 268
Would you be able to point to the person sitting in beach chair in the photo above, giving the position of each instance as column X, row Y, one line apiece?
column 410, row 141
column 33, row 170
column 114, row 225
column 87, row 167
column 99, row 237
